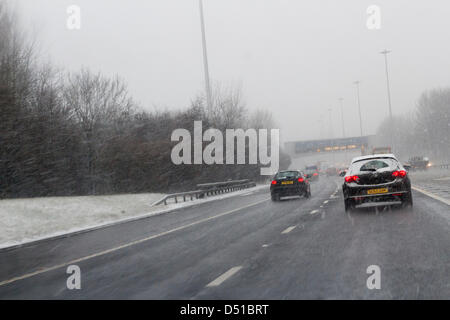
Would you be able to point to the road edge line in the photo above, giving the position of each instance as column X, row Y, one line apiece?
column 431, row 195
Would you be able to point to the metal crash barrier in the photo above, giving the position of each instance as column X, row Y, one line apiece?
column 208, row 189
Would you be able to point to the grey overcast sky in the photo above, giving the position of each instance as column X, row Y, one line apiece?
column 293, row 57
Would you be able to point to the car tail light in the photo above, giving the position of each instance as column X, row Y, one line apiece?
column 351, row 179
column 300, row 180
column 274, row 182
column 400, row 173
column 315, row 174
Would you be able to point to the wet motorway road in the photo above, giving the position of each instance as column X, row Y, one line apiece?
column 247, row 247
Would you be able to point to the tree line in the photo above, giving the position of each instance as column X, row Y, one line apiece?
column 81, row 133
column 423, row 132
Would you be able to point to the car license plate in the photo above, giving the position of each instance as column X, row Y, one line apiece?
column 287, row 182
column 377, row 191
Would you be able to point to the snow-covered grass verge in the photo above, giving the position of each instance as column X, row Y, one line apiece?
column 27, row 220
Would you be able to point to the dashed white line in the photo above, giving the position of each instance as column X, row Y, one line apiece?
column 288, row 229
column 223, row 277
column 326, row 201
column 314, row 211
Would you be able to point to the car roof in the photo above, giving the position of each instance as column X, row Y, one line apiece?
column 374, row 156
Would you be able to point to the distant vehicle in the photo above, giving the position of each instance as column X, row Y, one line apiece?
column 381, row 150
column 419, row 163
column 331, row 172
column 342, row 172
column 378, row 180
column 289, row 183
column 407, row 167
column 312, row 173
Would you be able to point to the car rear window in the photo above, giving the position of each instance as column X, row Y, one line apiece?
column 382, row 164
column 286, row 174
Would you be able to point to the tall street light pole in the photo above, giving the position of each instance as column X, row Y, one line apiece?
column 331, row 135
column 385, row 53
column 359, row 106
column 331, row 123
column 391, row 135
column 205, row 58
column 321, row 126
column 342, row 116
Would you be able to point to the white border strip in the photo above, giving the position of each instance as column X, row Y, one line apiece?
column 432, row 195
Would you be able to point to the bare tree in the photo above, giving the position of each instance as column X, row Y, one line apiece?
column 261, row 119
column 426, row 132
column 228, row 109
column 95, row 102
column 433, row 119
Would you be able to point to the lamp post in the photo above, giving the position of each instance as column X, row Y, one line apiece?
column 341, row 100
column 205, row 58
column 391, row 134
column 359, row 106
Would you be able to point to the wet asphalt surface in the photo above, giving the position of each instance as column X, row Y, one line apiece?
column 247, row 247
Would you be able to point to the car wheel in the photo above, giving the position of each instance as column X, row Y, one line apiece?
column 348, row 205
column 308, row 194
column 275, row 197
column 407, row 200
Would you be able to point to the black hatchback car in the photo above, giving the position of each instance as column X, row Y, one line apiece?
column 376, row 180
column 289, row 183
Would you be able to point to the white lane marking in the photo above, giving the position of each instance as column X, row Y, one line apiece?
column 321, row 207
column 325, row 202
column 102, row 253
column 351, row 218
column 265, row 245
column 432, row 195
column 314, row 211
column 288, row 229
column 442, row 179
column 224, row 277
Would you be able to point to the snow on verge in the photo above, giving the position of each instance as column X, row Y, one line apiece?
column 27, row 220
